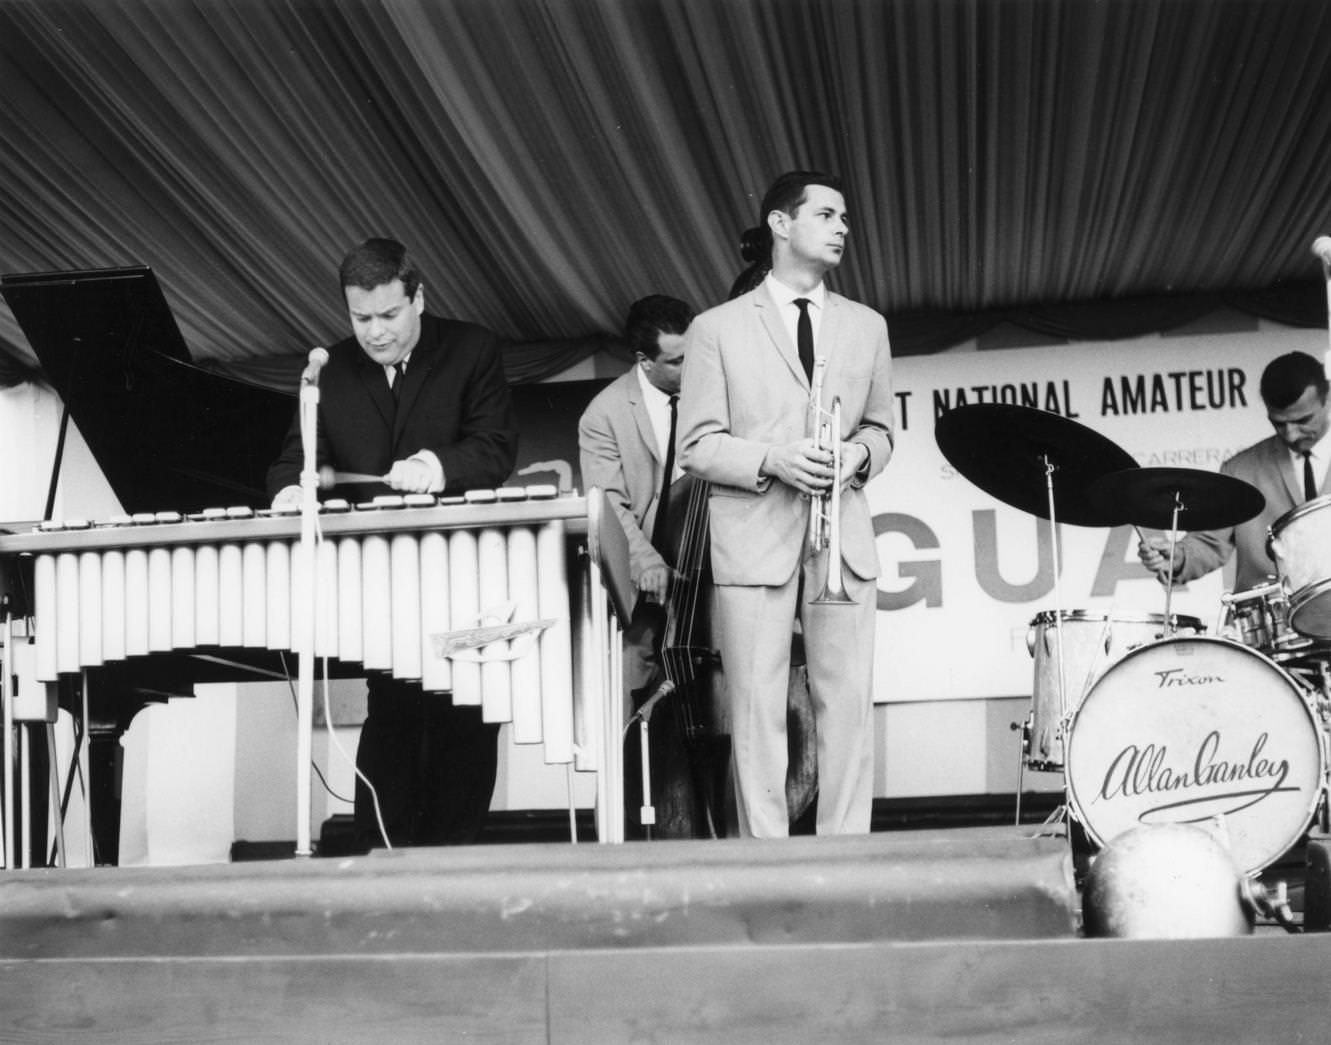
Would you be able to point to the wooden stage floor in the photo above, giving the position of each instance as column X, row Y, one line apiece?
column 967, row 934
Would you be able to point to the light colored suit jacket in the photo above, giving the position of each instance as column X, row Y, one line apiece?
column 744, row 391
column 1267, row 466
column 618, row 454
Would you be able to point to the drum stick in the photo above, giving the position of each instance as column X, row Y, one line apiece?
column 1162, row 573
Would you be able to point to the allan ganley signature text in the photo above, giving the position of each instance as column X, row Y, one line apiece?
column 1143, row 770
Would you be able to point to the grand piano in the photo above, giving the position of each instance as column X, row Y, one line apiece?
column 197, row 558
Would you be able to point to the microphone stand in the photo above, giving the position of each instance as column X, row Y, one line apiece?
column 309, row 589
column 1322, row 248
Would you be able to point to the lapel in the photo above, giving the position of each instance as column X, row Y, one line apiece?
column 641, row 418
column 829, row 334
column 769, row 314
column 1293, row 483
column 423, row 359
column 375, row 384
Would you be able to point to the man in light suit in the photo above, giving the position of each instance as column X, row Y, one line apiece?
column 1288, row 468
column 623, row 443
column 744, row 429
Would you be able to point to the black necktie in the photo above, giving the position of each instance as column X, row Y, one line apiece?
column 1309, row 483
column 661, row 529
column 804, row 337
column 399, row 372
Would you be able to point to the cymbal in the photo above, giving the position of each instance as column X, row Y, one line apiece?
column 1006, row 450
column 1209, row 500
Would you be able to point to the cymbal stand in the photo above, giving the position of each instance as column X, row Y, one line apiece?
column 1324, row 738
column 1169, row 576
column 1059, row 815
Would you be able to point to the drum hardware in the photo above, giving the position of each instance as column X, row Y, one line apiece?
column 1272, row 903
column 1176, row 499
column 1040, row 463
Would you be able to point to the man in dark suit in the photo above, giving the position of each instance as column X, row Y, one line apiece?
column 749, row 371
column 423, row 402
column 1288, row 468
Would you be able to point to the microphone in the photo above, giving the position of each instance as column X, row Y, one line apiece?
column 319, row 356
column 1322, row 248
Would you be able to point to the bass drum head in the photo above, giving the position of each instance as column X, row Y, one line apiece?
column 1196, row 730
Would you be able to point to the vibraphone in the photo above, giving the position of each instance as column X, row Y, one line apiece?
column 468, row 595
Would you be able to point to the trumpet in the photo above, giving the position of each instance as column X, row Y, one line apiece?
column 825, row 507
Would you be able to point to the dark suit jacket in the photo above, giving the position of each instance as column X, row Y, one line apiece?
column 455, row 402
column 1265, row 465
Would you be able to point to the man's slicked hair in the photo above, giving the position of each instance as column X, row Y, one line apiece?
column 1286, row 377
column 792, row 188
column 378, row 261
column 652, row 316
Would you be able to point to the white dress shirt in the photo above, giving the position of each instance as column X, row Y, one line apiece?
column 658, row 412
column 790, row 312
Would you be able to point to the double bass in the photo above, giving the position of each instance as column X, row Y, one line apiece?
column 682, row 702
column 689, row 748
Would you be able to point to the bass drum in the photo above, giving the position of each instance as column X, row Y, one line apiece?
column 1197, row 730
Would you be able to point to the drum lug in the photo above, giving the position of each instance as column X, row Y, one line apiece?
column 1025, row 728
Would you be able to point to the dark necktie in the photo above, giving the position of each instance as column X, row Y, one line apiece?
column 399, row 373
column 804, row 337
column 1309, row 482
column 661, row 529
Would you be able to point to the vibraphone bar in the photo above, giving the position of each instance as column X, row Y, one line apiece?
column 396, row 579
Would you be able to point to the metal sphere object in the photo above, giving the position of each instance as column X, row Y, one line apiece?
column 1166, row 881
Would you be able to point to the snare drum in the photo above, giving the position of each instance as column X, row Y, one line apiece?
column 1091, row 643
column 1195, row 730
column 1301, row 547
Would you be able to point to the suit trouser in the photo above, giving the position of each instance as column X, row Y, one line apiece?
column 753, row 625
column 433, row 766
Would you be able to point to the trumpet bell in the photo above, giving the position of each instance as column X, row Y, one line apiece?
column 830, row 597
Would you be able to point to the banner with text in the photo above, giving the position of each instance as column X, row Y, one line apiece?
column 964, row 575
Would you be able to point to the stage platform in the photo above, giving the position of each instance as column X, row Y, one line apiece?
column 964, row 934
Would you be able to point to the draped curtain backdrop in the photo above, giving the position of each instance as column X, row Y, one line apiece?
column 549, row 161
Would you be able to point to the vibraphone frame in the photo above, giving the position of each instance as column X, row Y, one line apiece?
column 588, row 628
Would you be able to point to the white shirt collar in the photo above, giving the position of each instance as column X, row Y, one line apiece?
column 390, row 370
column 657, row 404
column 783, row 295
column 1320, row 455
column 650, row 390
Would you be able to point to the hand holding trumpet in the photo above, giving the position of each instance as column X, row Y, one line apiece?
column 803, row 464
column 809, row 468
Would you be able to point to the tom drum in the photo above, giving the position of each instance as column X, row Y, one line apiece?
column 1301, row 547
column 1259, row 618
column 1091, row 643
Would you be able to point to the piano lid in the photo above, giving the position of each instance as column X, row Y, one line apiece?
column 167, row 434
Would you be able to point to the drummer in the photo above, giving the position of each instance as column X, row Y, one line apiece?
column 1288, row 468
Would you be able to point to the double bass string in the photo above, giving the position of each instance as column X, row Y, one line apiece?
column 682, row 605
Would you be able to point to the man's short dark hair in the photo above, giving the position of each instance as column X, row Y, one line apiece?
column 786, row 194
column 792, row 188
column 1287, row 377
column 378, row 261
column 652, row 316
